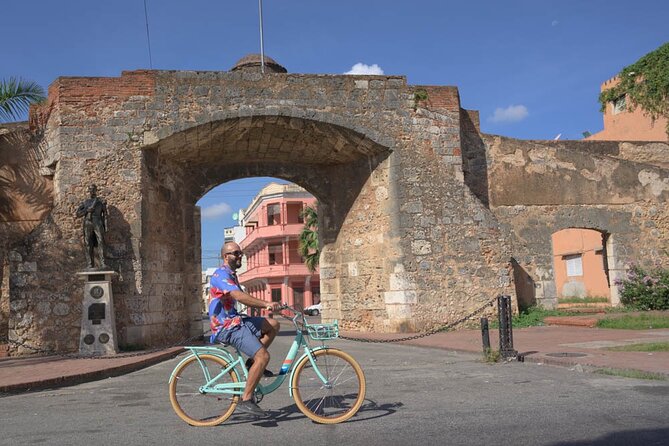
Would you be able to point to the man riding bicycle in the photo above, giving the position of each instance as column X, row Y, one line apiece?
column 250, row 335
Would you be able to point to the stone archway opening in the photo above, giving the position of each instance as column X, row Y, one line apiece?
column 345, row 170
column 581, row 259
column 266, row 217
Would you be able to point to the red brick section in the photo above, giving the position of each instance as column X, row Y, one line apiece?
column 440, row 98
column 84, row 90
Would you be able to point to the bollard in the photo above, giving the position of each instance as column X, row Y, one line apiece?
column 485, row 335
column 505, row 327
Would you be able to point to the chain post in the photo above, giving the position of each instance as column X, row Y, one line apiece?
column 485, row 335
column 505, row 327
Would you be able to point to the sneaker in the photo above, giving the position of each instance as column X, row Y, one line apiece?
column 250, row 407
column 266, row 373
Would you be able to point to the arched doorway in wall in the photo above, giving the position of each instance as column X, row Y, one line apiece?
column 264, row 216
column 581, row 265
column 333, row 163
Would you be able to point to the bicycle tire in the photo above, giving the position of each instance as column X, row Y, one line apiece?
column 341, row 398
column 193, row 406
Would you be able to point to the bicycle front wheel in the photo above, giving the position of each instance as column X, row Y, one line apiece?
column 195, row 406
column 336, row 400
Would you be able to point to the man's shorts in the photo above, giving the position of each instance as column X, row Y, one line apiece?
column 244, row 337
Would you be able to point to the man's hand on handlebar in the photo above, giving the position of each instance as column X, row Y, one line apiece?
column 275, row 306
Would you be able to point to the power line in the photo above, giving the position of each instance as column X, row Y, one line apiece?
column 148, row 38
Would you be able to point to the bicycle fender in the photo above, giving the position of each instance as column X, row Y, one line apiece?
column 196, row 351
column 290, row 381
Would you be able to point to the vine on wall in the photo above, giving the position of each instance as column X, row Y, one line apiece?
column 645, row 83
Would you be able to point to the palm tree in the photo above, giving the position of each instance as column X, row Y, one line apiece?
column 308, row 248
column 16, row 95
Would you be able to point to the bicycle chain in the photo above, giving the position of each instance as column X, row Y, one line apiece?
column 427, row 333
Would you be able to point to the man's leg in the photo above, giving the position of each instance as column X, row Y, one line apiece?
column 269, row 330
column 246, row 340
column 260, row 361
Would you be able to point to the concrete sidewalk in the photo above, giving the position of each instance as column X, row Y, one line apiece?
column 554, row 345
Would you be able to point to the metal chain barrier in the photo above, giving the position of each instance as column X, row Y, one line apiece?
column 427, row 333
column 187, row 341
column 45, row 352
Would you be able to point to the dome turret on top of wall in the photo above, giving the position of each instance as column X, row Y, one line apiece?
column 251, row 62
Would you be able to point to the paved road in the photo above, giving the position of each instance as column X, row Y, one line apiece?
column 415, row 396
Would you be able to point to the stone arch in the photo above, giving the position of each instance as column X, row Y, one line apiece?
column 345, row 169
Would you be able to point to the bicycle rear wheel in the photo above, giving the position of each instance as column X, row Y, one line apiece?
column 340, row 397
column 190, row 403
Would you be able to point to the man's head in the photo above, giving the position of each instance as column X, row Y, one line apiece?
column 231, row 254
column 93, row 190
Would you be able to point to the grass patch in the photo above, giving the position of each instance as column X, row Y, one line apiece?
column 646, row 347
column 490, row 355
column 531, row 317
column 583, row 300
column 637, row 374
column 635, row 322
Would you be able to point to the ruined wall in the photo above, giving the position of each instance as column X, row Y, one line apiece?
column 81, row 147
column 25, row 201
column 540, row 187
column 422, row 217
column 455, row 256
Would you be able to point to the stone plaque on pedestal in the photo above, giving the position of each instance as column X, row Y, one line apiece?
column 98, row 325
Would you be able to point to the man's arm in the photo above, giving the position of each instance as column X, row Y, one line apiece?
column 81, row 210
column 251, row 301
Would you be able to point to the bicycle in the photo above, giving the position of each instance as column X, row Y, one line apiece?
column 327, row 384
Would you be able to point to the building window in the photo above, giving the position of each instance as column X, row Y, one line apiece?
column 276, row 294
column 275, row 254
column 273, row 214
column 619, row 105
column 574, row 265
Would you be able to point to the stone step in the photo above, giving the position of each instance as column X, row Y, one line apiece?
column 583, row 307
column 571, row 321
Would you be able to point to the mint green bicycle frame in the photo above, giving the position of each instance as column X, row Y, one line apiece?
column 211, row 386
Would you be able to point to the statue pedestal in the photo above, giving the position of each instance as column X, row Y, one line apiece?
column 98, row 325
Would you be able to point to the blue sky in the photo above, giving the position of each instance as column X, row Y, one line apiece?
column 532, row 68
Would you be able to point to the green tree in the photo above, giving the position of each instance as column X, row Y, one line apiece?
column 308, row 247
column 16, row 95
column 645, row 83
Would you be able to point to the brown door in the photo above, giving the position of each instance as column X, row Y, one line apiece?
column 298, row 297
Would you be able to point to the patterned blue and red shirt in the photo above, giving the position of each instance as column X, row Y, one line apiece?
column 222, row 311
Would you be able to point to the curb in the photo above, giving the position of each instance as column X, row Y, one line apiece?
column 71, row 380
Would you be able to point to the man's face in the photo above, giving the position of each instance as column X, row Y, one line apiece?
column 93, row 191
column 232, row 255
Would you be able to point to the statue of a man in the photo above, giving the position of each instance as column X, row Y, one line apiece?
column 94, row 211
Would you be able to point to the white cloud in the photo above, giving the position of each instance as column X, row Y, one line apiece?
column 361, row 68
column 554, row 23
column 513, row 113
column 215, row 211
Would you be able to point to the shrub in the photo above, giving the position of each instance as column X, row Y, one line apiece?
column 645, row 290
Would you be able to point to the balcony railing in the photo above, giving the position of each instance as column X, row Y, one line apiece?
column 269, row 271
column 273, row 231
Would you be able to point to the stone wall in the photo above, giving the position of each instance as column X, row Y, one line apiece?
column 25, row 201
column 540, row 187
column 422, row 217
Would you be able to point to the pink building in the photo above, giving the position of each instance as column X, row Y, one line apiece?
column 275, row 270
column 621, row 124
